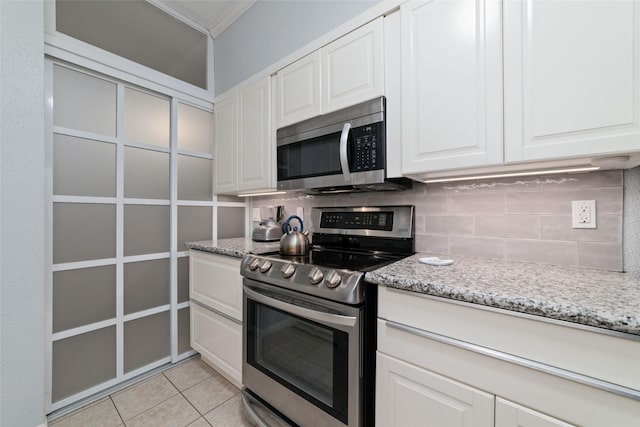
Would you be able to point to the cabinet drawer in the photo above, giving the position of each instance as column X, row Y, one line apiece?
column 219, row 341
column 543, row 392
column 579, row 349
column 215, row 281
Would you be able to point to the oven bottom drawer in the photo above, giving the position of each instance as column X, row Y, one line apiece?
column 219, row 341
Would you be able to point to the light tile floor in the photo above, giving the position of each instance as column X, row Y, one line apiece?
column 189, row 394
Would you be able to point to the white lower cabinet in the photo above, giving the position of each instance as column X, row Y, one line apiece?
column 410, row 396
column 509, row 414
column 215, row 289
column 444, row 363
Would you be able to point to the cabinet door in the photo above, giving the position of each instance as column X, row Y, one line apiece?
column 298, row 87
column 451, row 84
column 509, row 414
column 224, row 134
column 215, row 281
column 407, row 395
column 255, row 141
column 219, row 341
column 572, row 78
column 353, row 67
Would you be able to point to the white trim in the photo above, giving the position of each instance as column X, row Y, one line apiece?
column 48, row 238
column 77, row 52
column 232, row 204
column 120, row 233
column 186, row 355
column 146, row 313
column 195, row 154
column 179, row 16
column 150, row 147
column 82, row 264
column 57, row 336
column 183, row 305
column 146, row 257
column 173, row 229
column 133, row 201
column 61, row 130
column 237, row 9
column 194, row 203
column 182, row 254
column 85, row 199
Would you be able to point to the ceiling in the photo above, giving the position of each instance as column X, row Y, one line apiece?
column 214, row 15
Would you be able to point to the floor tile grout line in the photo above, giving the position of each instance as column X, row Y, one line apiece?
column 148, row 409
column 117, row 411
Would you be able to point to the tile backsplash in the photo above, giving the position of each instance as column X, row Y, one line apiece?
column 521, row 218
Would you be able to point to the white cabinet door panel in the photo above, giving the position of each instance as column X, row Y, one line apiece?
column 219, row 341
column 215, row 281
column 572, row 78
column 451, row 84
column 353, row 67
column 299, row 90
column 509, row 414
column 225, row 130
column 254, row 136
column 409, row 396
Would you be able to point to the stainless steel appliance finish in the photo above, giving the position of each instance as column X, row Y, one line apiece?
column 294, row 242
column 337, row 152
column 269, row 229
column 309, row 321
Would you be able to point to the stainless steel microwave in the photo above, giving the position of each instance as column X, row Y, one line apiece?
column 337, row 152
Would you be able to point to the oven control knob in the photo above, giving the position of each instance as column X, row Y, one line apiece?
column 265, row 266
column 315, row 276
column 254, row 263
column 287, row 270
column 333, row 279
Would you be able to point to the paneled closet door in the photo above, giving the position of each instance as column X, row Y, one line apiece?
column 128, row 189
column 451, row 84
column 572, row 78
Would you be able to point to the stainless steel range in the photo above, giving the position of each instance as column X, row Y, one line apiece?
column 309, row 321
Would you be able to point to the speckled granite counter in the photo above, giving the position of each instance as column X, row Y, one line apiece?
column 591, row 297
column 235, row 247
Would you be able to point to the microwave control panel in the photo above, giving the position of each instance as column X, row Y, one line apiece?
column 368, row 148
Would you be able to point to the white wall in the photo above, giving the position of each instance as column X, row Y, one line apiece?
column 272, row 29
column 22, row 218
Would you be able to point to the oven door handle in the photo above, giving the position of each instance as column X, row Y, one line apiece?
column 319, row 316
column 344, row 160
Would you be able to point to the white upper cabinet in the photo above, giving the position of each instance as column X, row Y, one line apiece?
column 298, row 90
column 572, row 78
column 353, row 67
column 255, row 141
column 244, row 139
column 224, row 140
column 345, row 72
column 451, row 84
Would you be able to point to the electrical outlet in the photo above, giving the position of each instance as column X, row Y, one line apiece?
column 583, row 213
column 256, row 214
column 300, row 212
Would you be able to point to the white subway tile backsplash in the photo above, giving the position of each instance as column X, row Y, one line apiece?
column 542, row 251
column 520, row 218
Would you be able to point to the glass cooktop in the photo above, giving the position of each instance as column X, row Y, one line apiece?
column 340, row 259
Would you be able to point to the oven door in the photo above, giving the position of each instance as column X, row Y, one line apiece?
column 302, row 355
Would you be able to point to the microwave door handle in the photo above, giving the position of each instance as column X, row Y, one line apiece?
column 344, row 161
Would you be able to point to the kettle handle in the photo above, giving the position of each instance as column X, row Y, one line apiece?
column 286, row 227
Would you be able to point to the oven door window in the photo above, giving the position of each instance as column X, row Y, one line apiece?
column 308, row 358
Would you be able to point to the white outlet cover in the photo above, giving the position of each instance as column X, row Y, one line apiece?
column 300, row 212
column 583, row 213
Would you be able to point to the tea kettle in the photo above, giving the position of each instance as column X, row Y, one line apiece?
column 294, row 242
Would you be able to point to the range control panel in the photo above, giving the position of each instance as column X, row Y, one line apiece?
column 378, row 220
column 368, row 148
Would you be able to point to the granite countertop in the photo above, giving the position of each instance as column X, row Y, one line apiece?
column 598, row 298
column 235, row 247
